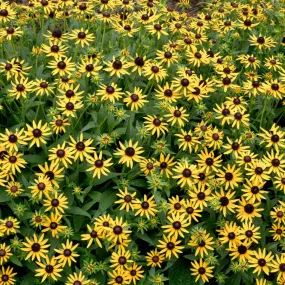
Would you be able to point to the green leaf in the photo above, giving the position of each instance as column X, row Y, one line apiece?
column 89, row 126
column 4, row 197
column 33, row 158
column 14, row 259
column 78, row 211
column 179, row 273
column 104, row 178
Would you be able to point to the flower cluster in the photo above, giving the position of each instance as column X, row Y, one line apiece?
column 141, row 145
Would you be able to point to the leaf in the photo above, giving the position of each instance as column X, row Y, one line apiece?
column 4, row 197
column 107, row 199
column 179, row 273
column 78, row 211
column 89, row 126
column 33, row 158
column 103, row 179
column 14, row 259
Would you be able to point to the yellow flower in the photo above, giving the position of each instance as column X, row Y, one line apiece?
column 36, row 247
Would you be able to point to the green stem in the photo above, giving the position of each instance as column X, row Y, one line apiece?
column 103, row 36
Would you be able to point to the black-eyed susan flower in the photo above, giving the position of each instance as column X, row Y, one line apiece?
column 249, row 232
column 278, row 265
column 261, row 42
column 111, row 92
column 253, row 190
column 77, row 278
column 201, row 270
column 178, row 224
column 230, row 234
column 117, row 230
column 11, row 140
column 214, row 138
column 154, row 71
column 52, row 224
column 203, row 244
column 62, row 66
column 9, row 226
column 136, row 99
column 227, row 203
column 192, row 210
column 120, row 259
column 200, row 196
column 93, row 235
column 257, row 171
column 274, row 137
column 146, row 207
column 59, row 123
column 279, row 182
column 82, row 37
column 188, row 141
column 58, row 203
column 103, row 223
column 235, row 147
column 247, row 210
column 42, row 87
column 99, row 166
column 126, row 199
column 61, row 154
column 41, row 187
column 13, row 162
column 55, row 50
column 274, row 88
column 154, row 258
column 165, row 163
column 170, row 246
column 6, row 275
column 278, row 232
column 129, row 153
column 242, row 252
column 9, row 68
column 36, row 247
column 208, row 161
column 7, row 15
column 117, row 67
column 89, row 67
column 37, row 133
column 261, row 261
column 155, row 125
column 274, row 162
column 167, row 93
column 48, row 269
column 119, row 276
column 177, row 115
column 5, row 253
column 20, row 88
column 67, row 253
column 14, row 188
column 148, row 166
column 185, row 173
column 196, row 58
column 278, row 214
column 81, row 149
column 135, row 273
column 230, row 176
column 68, row 107
column 37, row 219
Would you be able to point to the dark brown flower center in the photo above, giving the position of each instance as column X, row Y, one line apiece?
column 49, row 269
column 249, row 208
column 36, row 247
column 129, row 151
column 117, row 230
column 67, row 252
column 176, row 225
column 37, row 133
column 224, row 201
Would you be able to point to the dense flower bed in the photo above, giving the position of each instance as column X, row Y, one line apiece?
column 139, row 145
